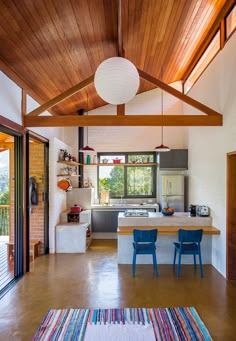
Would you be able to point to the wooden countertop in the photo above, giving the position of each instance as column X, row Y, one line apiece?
column 167, row 230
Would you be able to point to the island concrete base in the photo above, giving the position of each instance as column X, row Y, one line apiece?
column 165, row 251
column 71, row 238
column 167, row 234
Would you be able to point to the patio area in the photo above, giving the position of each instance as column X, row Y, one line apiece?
column 6, row 265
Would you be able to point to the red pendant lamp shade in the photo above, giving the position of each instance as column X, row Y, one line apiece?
column 86, row 149
column 162, row 147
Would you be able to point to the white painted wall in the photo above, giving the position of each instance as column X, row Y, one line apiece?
column 115, row 139
column 10, row 99
column 208, row 146
column 57, row 197
column 10, row 104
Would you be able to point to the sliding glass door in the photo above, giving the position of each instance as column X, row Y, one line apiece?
column 11, row 207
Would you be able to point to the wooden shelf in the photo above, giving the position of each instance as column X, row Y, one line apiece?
column 69, row 163
column 121, row 164
column 67, row 175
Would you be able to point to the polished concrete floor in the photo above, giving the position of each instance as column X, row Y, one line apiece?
column 94, row 280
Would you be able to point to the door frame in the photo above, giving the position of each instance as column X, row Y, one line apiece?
column 45, row 142
column 17, row 131
column 231, row 217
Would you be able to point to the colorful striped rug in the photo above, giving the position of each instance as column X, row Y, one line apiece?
column 147, row 324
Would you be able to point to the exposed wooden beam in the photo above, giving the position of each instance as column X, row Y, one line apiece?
column 222, row 33
column 126, row 120
column 178, row 94
column 12, row 125
column 120, row 109
column 21, row 83
column 120, row 50
column 61, row 97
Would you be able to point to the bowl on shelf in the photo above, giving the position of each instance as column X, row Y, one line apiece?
column 168, row 211
column 116, row 161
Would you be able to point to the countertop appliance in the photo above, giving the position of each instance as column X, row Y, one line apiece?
column 203, row 211
column 136, row 213
column 192, row 210
column 172, row 192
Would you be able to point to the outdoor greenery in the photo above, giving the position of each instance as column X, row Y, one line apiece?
column 4, row 193
column 128, row 181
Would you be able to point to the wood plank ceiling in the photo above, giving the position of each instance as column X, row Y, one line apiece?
column 52, row 45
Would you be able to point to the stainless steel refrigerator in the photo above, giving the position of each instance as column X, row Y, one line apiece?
column 172, row 192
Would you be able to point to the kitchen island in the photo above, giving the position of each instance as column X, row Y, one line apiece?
column 167, row 234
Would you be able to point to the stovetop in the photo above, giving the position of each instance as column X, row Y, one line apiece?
column 136, row 213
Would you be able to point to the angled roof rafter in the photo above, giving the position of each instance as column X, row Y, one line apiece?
column 212, row 117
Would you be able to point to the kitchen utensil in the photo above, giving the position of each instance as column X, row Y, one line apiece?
column 75, row 209
column 192, row 210
column 64, row 184
column 116, row 160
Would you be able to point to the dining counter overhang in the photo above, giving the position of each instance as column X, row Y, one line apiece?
column 167, row 234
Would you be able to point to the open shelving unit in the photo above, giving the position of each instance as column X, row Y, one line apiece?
column 73, row 163
column 120, row 164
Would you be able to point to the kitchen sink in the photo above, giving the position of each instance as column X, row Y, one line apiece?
column 125, row 205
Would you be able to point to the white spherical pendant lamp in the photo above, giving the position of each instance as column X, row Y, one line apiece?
column 116, row 80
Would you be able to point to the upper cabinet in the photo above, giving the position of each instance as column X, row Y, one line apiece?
column 174, row 159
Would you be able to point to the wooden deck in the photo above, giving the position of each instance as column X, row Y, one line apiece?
column 6, row 265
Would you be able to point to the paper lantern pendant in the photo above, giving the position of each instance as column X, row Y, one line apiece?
column 116, row 80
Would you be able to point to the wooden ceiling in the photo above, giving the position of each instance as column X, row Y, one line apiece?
column 49, row 46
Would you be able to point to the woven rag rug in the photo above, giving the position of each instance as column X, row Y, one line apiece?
column 126, row 324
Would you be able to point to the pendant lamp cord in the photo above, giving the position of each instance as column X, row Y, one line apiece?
column 162, row 115
column 87, row 115
column 162, row 106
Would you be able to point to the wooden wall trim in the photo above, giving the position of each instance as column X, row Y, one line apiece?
column 37, row 136
column 123, row 120
column 11, row 125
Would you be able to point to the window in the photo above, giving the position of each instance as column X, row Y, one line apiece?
column 231, row 22
column 127, row 175
column 203, row 62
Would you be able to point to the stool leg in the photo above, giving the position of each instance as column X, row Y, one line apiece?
column 179, row 265
column 200, row 264
column 134, row 264
column 155, row 263
column 174, row 259
column 194, row 258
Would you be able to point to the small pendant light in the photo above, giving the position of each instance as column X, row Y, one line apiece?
column 87, row 149
column 162, row 148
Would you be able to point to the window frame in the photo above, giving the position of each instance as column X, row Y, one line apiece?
column 126, row 166
column 201, row 61
column 228, row 36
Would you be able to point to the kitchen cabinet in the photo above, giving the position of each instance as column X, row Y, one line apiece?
column 106, row 220
column 174, row 159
